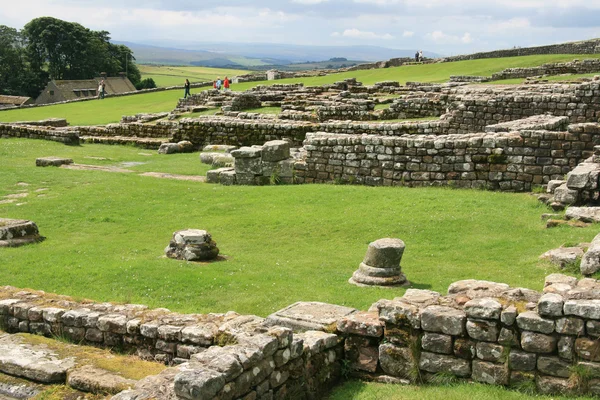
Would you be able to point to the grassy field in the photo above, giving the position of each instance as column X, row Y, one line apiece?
column 111, row 109
column 371, row 391
column 172, row 76
column 106, row 233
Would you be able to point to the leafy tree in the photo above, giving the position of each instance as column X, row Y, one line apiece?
column 68, row 50
column 16, row 76
column 147, row 83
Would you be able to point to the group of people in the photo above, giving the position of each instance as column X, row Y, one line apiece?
column 419, row 56
column 218, row 84
column 101, row 89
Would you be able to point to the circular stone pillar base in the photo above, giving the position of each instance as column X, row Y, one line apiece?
column 381, row 266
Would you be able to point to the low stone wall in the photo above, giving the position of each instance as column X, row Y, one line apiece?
column 505, row 161
column 239, row 132
column 584, row 47
column 484, row 331
column 576, row 67
column 162, row 129
column 33, row 132
column 255, row 360
column 53, row 122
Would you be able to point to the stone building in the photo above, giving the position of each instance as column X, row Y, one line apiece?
column 64, row 90
column 14, row 101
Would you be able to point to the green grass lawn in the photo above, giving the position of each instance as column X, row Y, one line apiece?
column 172, row 76
column 372, row 391
column 111, row 109
column 106, row 233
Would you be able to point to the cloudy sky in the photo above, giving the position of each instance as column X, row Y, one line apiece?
column 443, row 26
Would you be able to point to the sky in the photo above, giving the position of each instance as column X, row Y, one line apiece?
column 446, row 27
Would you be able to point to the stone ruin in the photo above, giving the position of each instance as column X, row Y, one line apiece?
column 18, row 232
column 183, row 146
column 381, row 265
column 480, row 331
column 271, row 163
column 192, row 245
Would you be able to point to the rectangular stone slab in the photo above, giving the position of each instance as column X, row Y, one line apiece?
column 310, row 316
column 34, row 363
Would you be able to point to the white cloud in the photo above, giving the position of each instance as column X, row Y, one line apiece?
column 440, row 37
column 509, row 26
column 408, row 34
column 309, row 2
column 358, row 34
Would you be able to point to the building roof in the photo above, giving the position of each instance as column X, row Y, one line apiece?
column 76, row 89
column 15, row 100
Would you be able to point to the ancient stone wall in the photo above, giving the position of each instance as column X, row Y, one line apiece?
column 584, row 47
column 226, row 356
column 484, row 331
column 505, row 161
column 162, row 129
column 576, row 67
column 38, row 132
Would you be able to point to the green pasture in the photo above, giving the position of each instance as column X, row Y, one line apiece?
column 111, row 110
column 356, row 390
column 175, row 76
column 106, row 233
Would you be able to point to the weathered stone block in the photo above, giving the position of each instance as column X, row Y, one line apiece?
column 538, row 342
column 465, row 348
column 397, row 361
column 435, row 363
column 483, row 330
column 553, row 366
column 570, row 326
column 276, row 150
column 550, row 305
column 586, row 309
column 522, row 361
column 483, row 308
column 199, row 384
column 491, row 352
column 443, row 319
column 531, row 321
column 437, row 343
column 493, row 374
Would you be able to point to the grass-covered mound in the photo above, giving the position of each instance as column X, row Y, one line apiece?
column 106, row 233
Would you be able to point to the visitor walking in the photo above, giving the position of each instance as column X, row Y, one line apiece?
column 417, row 56
column 214, row 84
column 187, row 89
column 103, row 88
column 420, row 55
column 219, row 83
column 226, row 84
column 100, row 93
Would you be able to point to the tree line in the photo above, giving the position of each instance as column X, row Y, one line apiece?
column 49, row 48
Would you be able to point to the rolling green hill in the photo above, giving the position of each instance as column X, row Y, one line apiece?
column 111, row 109
column 172, row 75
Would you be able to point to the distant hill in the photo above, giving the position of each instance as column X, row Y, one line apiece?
column 257, row 55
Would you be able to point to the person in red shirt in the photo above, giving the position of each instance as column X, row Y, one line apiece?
column 214, row 84
column 226, row 84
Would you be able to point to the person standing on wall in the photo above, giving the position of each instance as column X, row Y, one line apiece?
column 226, row 84
column 187, row 89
